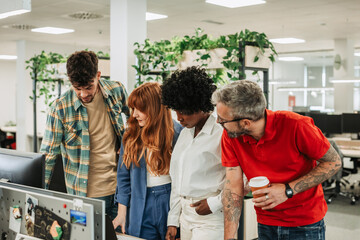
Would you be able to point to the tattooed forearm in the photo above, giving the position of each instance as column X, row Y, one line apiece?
column 232, row 203
column 232, row 206
column 330, row 156
column 232, row 200
column 329, row 164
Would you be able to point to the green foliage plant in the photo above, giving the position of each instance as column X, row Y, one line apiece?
column 157, row 59
column 43, row 72
column 43, row 68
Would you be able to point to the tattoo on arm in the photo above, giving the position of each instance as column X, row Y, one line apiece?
column 232, row 206
column 329, row 164
column 230, row 169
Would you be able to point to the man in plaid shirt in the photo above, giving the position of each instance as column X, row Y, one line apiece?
column 85, row 125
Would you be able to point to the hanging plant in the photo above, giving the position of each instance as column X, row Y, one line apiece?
column 157, row 59
column 43, row 72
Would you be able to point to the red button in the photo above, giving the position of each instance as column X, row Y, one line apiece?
column 64, row 205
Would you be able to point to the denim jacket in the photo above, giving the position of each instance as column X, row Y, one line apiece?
column 131, row 188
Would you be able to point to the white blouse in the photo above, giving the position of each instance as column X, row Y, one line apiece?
column 195, row 168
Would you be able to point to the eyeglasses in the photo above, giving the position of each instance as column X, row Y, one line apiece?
column 234, row 120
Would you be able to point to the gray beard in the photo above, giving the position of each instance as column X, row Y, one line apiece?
column 235, row 134
column 242, row 132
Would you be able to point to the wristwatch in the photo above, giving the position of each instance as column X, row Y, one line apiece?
column 288, row 191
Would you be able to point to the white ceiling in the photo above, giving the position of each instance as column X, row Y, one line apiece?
column 319, row 22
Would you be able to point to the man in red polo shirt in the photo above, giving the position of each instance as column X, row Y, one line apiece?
column 283, row 146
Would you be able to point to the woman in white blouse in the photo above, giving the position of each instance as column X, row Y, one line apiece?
column 195, row 168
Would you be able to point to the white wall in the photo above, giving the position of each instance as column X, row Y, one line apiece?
column 285, row 72
column 7, row 91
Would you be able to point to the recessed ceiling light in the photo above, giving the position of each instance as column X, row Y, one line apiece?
column 14, row 7
column 291, row 59
column 285, row 89
column 357, row 54
column 282, row 83
column 287, row 40
column 345, row 81
column 235, row 3
column 154, row 16
column 52, row 30
column 13, row 13
column 8, row 57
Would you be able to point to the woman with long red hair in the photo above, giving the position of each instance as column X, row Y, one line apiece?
column 143, row 181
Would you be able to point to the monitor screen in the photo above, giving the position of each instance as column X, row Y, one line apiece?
column 22, row 167
column 351, row 122
column 333, row 123
column 319, row 120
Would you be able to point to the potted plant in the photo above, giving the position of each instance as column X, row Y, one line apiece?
column 221, row 55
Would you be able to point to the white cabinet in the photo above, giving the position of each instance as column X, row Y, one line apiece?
column 250, row 221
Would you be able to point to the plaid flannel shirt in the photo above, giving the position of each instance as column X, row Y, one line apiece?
column 67, row 132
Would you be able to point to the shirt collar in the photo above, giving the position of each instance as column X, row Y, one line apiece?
column 270, row 130
column 105, row 90
column 208, row 126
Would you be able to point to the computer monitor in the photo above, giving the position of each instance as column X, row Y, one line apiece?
column 319, row 120
column 333, row 123
column 22, row 167
column 351, row 122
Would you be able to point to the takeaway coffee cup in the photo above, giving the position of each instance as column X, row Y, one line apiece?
column 257, row 183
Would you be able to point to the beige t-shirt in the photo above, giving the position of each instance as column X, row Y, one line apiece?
column 102, row 167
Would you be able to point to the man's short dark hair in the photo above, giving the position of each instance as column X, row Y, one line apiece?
column 189, row 90
column 82, row 68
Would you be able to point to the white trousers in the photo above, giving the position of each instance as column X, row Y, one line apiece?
column 197, row 227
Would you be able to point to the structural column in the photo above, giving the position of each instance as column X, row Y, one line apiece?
column 344, row 92
column 21, row 97
column 127, row 26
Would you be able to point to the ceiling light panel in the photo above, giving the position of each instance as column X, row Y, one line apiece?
column 154, row 16
column 52, row 30
column 14, row 7
column 287, row 40
column 8, row 57
column 285, row 89
column 291, row 59
column 345, row 81
column 235, row 3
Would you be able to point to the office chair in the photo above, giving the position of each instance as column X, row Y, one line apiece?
column 2, row 139
column 340, row 181
column 57, row 182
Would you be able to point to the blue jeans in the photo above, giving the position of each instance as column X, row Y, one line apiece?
column 315, row 231
column 111, row 207
column 157, row 206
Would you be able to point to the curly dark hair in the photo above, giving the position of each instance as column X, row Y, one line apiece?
column 188, row 90
column 82, row 68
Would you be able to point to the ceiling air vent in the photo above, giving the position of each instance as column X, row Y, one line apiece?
column 24, row 27
column 85, row 16
column 213, row 22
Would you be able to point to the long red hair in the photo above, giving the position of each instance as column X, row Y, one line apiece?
column 157, row 134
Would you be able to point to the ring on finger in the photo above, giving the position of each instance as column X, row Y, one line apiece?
column 266, row 197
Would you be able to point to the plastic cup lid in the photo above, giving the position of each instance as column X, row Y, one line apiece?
column 258, row 181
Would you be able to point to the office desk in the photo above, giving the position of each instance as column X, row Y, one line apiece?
column 350, row 149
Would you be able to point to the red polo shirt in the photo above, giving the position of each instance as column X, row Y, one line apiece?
column 288, row 150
